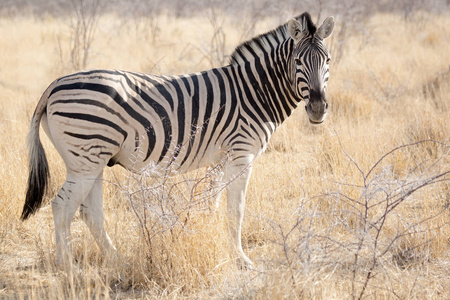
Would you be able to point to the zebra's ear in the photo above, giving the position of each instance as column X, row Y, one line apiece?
column 326, row 29
column 296, row 30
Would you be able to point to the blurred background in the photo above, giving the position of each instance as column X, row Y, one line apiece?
column 190, row 8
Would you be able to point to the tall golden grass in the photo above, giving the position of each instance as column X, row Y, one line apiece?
column 356, row 207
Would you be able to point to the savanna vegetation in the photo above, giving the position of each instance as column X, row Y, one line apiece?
column 358, row 207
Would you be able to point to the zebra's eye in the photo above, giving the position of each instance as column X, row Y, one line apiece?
column 298, row 61
column 328, row 60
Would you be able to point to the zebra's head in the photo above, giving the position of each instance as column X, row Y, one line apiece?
column 310, row 61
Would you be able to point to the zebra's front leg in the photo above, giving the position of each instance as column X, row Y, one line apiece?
column 237, row 181
column 215, row 185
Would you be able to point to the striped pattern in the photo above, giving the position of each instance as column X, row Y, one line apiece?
column 100, row 117
column 105, row 117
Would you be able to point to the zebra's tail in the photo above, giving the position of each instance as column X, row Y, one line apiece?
column 38, row 176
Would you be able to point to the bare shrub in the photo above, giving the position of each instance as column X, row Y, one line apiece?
column 215, row 51
column 83, row 30
column 359, row 230
column 168, row 209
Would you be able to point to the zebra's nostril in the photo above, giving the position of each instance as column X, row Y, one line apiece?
column 326, row 105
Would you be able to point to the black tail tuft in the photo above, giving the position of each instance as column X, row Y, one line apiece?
column 39, row 174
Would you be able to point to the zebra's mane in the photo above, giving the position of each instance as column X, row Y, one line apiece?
column 266, row 41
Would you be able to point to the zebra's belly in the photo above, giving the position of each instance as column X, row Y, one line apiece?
column 174, row 162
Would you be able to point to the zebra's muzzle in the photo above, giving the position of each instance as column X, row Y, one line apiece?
column 317, row 111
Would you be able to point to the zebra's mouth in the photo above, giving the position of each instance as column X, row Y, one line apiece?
column 315, row 122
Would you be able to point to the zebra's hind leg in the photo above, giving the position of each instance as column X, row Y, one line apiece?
column 91, row 212
column 73, row 192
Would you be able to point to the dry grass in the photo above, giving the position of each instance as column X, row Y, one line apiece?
column 318, row 220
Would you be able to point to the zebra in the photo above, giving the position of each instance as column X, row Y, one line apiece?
column 100, row 118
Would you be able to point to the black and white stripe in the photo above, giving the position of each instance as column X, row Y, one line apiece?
column 100, row 117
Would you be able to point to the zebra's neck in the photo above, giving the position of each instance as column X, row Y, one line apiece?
column 265, row 69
